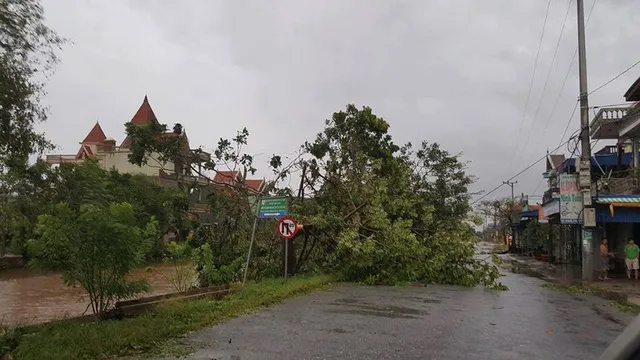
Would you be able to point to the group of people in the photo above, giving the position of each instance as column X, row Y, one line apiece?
column 631, row 253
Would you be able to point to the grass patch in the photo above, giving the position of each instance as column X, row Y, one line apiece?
column 572, row 289
column 148, row 332
column 626, row 307
column 620, row 302
column 499, row 249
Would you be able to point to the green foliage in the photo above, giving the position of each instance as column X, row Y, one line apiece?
column 27, row 54
column 374, row 211
column 210, row 273
column 534, row 234
column 24, row 195
column 388, row 214
column 184, row 274
column 37, row 190
column 95, row 247
column 499, row 248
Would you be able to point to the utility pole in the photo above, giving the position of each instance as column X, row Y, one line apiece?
column 510, row 183
column 511, row 208
column 496, row 206
column 585, row 163
column 513, row 201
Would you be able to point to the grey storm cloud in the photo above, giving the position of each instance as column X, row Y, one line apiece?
column 456, row 72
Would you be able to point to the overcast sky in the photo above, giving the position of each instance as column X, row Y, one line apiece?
column 456, row 72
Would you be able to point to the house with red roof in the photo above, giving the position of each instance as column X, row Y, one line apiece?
column 233, row 179
column 112, row 156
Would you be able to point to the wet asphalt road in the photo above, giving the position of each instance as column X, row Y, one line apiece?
column 436, row 322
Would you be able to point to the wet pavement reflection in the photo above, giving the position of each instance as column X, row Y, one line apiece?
column 29, row 297
column 434, row 322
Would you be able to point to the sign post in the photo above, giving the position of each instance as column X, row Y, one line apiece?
column 267, row 208
column 272, row 207
column 287, row 229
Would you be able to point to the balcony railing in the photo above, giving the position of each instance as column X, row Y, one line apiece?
column 609, row 114
column 605, row 124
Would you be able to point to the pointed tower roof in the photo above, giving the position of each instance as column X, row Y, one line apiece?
column 145, row 114
column 96, row 135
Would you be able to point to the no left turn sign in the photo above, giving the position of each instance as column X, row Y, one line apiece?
column 287, row 228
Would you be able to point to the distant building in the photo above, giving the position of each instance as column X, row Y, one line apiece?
column 177, row 173
column 111, row 156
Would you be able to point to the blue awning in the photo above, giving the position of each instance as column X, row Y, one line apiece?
column 622, row 215
column 602, row 160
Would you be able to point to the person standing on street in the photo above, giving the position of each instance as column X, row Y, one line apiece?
column 604, row 258
column 631, row 252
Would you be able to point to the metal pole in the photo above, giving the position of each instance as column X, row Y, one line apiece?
column 513, row 203
column 585, row 171
column 286, row 257
column 253, row 235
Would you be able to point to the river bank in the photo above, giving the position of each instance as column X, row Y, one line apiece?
column 9, row 261
column 151, row 332
column 30, row 297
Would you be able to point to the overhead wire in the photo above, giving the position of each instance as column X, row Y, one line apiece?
column 569, row 121
column 518, row 174
column 546, row 81
column 533, row 76
column 566, row 77
column 615, row 77
column 593, row 4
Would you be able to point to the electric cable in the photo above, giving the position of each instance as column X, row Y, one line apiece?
column 533, row 76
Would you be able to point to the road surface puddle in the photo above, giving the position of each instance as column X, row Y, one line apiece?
column 355, row 307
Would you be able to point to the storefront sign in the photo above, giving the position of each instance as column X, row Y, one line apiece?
column 570, row 199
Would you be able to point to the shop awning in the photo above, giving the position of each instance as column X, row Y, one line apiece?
column 617, row 199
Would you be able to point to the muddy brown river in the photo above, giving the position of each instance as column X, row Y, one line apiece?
column 28, row 297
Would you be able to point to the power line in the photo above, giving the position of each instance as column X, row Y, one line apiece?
column 537, row 186
column 566, row 77
column 546, row 81
column 518, row 174
column 615, row 77
column 569, row 121
column 533, row 76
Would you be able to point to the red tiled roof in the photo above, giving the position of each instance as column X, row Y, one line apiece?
column 96, row 135
column 254, row 184
column 229, row 177
column 145, row 114
column 225, row 176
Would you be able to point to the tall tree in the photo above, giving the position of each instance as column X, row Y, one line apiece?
column 386, row 213
column 27, row 57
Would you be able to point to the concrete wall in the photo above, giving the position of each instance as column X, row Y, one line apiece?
column 120, row 161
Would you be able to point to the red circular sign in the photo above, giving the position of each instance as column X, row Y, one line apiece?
column 287, row 228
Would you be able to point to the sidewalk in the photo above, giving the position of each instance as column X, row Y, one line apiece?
column 618, row 289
